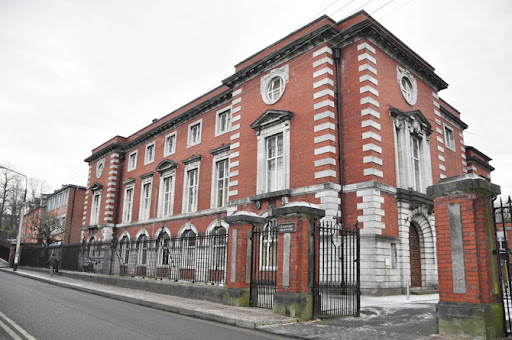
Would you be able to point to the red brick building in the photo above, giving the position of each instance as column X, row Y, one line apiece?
column 272, row 134
column 61, row 210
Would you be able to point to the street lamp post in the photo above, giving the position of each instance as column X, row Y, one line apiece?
column 18, row 239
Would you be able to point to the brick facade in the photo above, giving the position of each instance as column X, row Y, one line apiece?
column 397, row 138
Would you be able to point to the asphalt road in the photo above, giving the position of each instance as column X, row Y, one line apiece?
column 45, row 311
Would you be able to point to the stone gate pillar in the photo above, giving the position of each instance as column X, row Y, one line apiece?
column 469, row 297
column 296, row 222
column 239, row 256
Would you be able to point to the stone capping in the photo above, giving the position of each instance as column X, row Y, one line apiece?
column 244, row 218
column 299, row 208
column 270, row 195
column 462, row 184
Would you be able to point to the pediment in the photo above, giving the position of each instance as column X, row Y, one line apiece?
column 270, row 118
column 416, row 117
column 96, row 186
column 166, row 164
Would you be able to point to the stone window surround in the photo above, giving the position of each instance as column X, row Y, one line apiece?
column 218, row 132
column 266, row 80
column 128, row 185
column 191, row 143
column 168, row 152
column 408, row 124
column 270, row 123
column 131, row 167
column 143, row 213
column 404, row 73
column 218, row 154
column 169, row 173
column 147, row 158
column 449, row 142
column 191, row 163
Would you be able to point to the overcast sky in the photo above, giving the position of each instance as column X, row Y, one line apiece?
column 74, row 74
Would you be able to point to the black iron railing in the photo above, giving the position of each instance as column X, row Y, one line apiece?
column 336, row 287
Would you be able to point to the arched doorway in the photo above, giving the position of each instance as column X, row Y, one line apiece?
column 415, row 256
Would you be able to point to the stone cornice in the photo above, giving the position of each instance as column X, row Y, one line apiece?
column 307, row 42
column 169, row 124
column 394, row 47
column 109, row 148
column 455, row 119
column 480, row 163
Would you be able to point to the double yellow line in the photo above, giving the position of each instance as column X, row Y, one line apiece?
column 11, row 332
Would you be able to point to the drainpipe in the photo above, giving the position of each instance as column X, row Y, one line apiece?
column 336, row 54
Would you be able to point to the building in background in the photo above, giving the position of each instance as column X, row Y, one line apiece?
column 56, row 217
column 334, row 107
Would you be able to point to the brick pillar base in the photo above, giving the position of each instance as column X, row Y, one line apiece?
column 470, row 302
column 294, row 296
column 239, row 255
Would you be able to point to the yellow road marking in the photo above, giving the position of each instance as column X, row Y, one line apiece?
column 18, row 328
column 10, row 331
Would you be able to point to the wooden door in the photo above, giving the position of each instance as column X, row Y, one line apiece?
column 415, row 256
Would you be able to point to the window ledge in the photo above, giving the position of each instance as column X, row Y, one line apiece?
column 271, row 195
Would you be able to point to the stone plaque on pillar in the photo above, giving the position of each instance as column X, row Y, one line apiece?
column 457, row 245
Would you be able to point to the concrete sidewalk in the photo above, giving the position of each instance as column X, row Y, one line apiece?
column 392, row 317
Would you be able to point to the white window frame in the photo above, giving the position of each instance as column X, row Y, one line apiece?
column 168, row 152
column 405, row 129
column 449, row 142
column 143, row 210
column 134, row 156
column 162, row 255
column 192, row 166
column 220, row 157
column 171, row 175
column 281, row 128
column 128, row 204
column 95, row 207
column 219, row 128
column 149, row 157
column 268, row 249
column 266, row 84
column 190, row 141
column 416, row 179
column 142, row 249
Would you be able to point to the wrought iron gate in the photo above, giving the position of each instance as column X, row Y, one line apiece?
column 336, row 284
column 264, row 265
column 502, row 224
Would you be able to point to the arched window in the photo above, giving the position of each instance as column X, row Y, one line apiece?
column 125, row 250
column 162, row 245
column 91, row 247
column 269, row 248
column 142, row 249
column 188, row 239
column 219, row 243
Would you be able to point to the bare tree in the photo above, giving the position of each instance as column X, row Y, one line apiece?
column 36, row 187
column 43, row 227
column 11, row 197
